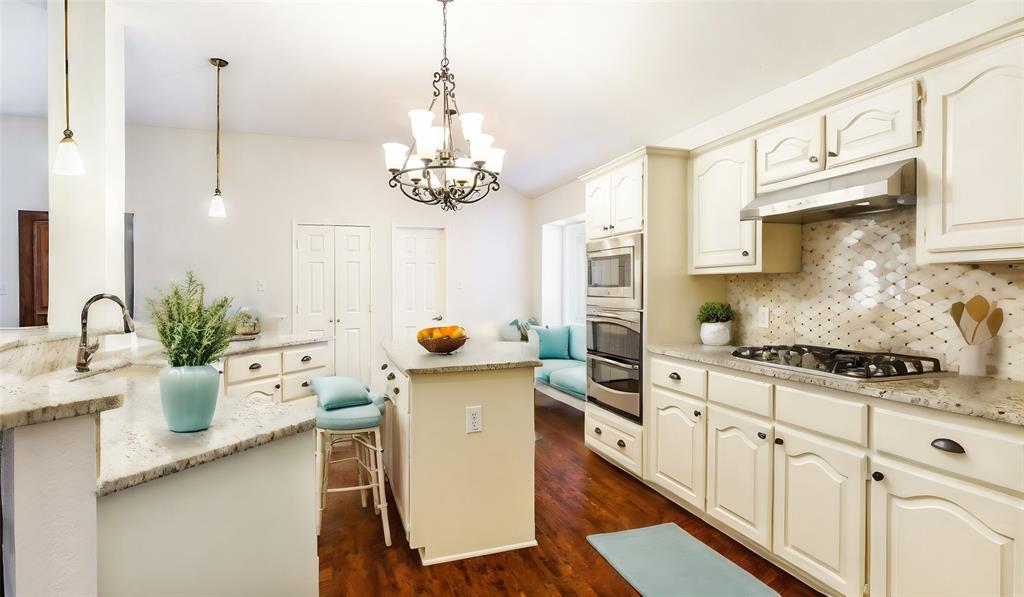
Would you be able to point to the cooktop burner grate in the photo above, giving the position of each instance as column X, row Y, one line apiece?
column 865, row 366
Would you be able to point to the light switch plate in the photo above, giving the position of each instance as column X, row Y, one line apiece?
column 261, row 285
column 762, row 317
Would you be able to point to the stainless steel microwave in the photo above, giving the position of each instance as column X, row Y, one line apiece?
column 615, row 272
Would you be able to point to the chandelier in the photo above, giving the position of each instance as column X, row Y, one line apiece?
column 434, row 171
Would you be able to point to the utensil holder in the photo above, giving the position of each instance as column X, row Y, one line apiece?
column 972, row 360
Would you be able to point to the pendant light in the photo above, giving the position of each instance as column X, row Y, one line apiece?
column 67, row 161
column 217, row 201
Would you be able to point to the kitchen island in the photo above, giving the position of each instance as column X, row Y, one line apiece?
column 459, row 442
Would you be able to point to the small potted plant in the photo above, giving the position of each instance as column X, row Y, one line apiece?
column 517, row 330
column 715, row 323
column 194, row 336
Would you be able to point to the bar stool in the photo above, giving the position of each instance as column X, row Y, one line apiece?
column 359, row 427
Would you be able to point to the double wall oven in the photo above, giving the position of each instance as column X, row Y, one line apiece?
column 615, row 324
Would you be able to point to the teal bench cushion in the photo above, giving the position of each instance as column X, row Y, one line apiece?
column 554, row 343
column 578, row 342
column 543, row 372
column 571, row 380
column 339, row 392
column 353, row 417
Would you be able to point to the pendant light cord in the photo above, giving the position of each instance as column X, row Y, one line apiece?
column 67, row 93
column 217, row 188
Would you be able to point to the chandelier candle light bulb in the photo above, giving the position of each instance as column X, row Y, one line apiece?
column 480, row 148
column 421, row 121
column 394, row 155
column 472, row 124
column 495, row 160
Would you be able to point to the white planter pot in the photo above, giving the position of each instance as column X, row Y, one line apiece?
column 972, row 360
column 716, row 334
column 510, row 333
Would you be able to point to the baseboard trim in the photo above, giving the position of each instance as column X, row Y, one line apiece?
column 560, row 396
column 474, row 554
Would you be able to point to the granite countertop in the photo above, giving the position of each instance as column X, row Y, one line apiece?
column 18, row 337
column 985, row 397
column 50, row 398
column 136, row 446
column 485, row 355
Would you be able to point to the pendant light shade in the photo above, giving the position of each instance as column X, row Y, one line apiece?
column 217, row 208
column 67, row 162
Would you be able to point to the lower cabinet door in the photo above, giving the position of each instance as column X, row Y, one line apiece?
column 931, row 535
column 739, row 483
column 820, row 508
column 400, row 468
column 677, row 445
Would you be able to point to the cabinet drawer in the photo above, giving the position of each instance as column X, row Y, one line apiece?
column 842, row 419
column 297, row 385
column 988, row 455
column 244, row 367
column 270, row 387
column 306, row 357
column 614, row 438
column 682, row 378
column 742, row 393
column 397, row 388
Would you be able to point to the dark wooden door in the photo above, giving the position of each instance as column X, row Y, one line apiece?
column 33, row 266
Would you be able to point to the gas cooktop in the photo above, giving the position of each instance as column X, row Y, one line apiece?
column 841, row 362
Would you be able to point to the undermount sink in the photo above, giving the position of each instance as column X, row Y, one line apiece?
column 121, row 370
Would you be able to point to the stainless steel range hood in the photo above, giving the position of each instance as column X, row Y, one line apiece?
column 877, row 189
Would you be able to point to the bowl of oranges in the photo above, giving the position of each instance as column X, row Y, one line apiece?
column 442, row 340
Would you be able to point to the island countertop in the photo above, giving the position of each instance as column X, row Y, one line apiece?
column 985, row 397
column 485, row 355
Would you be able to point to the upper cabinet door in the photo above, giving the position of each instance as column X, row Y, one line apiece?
column 627, row 210
column 723, row 183
column 974, row 152
column 872, row 125
column 599, row 207
column 791, row 150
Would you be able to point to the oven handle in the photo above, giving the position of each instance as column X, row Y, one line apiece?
column 614, row 363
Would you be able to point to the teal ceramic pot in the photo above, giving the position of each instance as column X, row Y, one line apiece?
column 189, row 396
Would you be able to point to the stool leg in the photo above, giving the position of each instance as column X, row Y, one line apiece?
column 378, row 457
column 360, row 463
column 325, row 459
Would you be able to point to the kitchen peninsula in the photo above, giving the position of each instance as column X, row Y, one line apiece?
column 459, row 442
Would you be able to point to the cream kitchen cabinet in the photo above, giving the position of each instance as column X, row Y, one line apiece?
column 971, row 206
column 791, row 150
column 283, row 374
column 739, row 476
column 820, row 507
column 723, row 183
column 677, row 456
column 615, row 201
column 872, row 124
column 932, row 535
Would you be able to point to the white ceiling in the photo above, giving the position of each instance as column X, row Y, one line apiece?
column 564, row 85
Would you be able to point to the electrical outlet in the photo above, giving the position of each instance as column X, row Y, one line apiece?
column 474, row 419
column 261, row 285
column 762, row 317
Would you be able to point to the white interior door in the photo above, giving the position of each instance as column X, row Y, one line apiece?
column 352, row 302
column 314, row 280
column 420, row 280
column 574, row 269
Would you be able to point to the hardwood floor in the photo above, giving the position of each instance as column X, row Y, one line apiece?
column 578, row 494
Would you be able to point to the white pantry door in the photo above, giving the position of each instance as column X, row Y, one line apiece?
column 352, row 302
column 314, row 280
column 420, row 280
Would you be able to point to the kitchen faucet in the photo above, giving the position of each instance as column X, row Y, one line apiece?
column 85, row 351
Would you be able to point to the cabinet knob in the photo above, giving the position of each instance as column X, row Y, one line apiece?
column 833, row 154
column 696, row 413
column 762, row 435
column 620, row 444
column 255, row 366
column 948, row 445
column 395, row 391
column 384, row 366
column 306, row 359
column 674, row 376
column 277, row 386
column 611, row 226
column 305, row 384
column 746, row 253
column 877, row 476
column 391, row 376
column 778, row 441
column 597, row 430
column 813, row 159
column 604, row 228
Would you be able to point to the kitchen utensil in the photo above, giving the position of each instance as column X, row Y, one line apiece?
column 990, row 328
column 977, row 308
column 956, row 311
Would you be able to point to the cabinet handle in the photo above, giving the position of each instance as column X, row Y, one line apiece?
column 277, row 386
column 948, row 445
column 604, row 228
column 395, row 391
column 391, row 376
column 597, row 430
column 762, row 435
column 674, row 376
column 833, row 154
column 778, row 441
column 384, row 366
column 305, row 384
column 620, row 444
column 255, row 366
column 306, row 359
column 611, row 226
column 877, row 476
column 813, row 159
column 696, row 413
column 746, row 253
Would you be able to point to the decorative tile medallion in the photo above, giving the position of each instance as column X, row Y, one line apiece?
column 860, row 288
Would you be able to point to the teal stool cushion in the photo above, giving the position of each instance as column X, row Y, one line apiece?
column 378, row 400
column 544, row 372
column 353, row 417
column 571, row 380
column 339, row 392
column 554, row 343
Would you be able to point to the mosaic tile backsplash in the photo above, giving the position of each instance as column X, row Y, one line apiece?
column 860, row 288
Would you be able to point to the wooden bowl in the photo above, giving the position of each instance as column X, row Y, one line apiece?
column 443, row 345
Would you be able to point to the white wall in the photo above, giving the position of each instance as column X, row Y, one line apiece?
column 560, row 204
column 269, row 181
column 23, row 185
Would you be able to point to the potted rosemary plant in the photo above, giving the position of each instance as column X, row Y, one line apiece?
column 715, row 323
column 194, row 335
